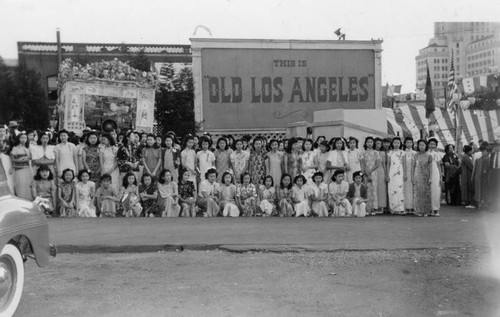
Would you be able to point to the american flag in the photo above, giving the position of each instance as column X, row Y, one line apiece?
column 451, row 105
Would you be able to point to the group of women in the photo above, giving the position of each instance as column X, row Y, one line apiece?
column 143, row 174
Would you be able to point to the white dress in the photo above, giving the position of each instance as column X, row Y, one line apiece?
column 353, row 159
column 396, row 182
column 66, row 157
column 302, row 195
column 319, row 207
column 408, row 158
column 338, row 190
column 435, row 180
column 307, row 159
column 85, row 206
column 109, row 160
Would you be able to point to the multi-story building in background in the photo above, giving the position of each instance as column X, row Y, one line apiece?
column 475, row 47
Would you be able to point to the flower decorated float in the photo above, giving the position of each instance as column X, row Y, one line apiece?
column 107, row 90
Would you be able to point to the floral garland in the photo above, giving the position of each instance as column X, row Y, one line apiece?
column 114, row 70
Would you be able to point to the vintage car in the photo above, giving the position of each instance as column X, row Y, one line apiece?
column 24, row 233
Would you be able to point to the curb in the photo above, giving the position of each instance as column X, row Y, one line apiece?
column 89, row 249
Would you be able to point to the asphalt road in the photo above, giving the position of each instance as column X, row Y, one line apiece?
column 455, row 228
column 449, row 282
column 377, row 266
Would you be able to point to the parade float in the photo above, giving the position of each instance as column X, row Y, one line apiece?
column 105, row 92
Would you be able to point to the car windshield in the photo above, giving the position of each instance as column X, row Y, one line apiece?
column 4, row 187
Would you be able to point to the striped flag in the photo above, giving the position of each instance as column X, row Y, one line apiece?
column 451, row 105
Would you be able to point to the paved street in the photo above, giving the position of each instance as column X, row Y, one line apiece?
column 455, row 228
column 379, row 266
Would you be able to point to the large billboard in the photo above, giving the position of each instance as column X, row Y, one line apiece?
column 268, row 88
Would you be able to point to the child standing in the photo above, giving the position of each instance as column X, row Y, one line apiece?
column 358, row 195
column 395, row 173
column 106, row 197
column 43, row 186
column 285, row 205
column 246, row 196
column 338, row 190
column 300, row 196
column 227, row 196
column 67, row 195
column 148, row 192
column 319, row 196
column 85, row 193
column 129, row 196
column 168, row 191
column 266, row 197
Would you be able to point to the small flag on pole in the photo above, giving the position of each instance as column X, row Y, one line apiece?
column 429, row 96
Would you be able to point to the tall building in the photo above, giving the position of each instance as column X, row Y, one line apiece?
column 475, row 47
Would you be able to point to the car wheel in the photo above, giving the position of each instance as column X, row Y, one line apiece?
column 11, row 279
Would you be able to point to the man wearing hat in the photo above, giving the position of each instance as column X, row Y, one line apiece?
column 14, row 132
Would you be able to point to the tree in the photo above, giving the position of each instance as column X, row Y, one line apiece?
column 175, row 103
column 139, row 61
column 7, row 94
column 31, row 101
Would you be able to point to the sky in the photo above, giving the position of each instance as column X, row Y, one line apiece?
column 404, row 26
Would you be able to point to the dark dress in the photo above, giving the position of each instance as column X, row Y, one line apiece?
column 466, row 184
column 452, row 179
column 149, row 205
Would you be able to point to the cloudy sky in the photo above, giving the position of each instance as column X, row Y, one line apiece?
column 405, row 26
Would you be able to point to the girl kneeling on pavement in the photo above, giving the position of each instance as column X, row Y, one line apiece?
column 227, row 196
column 338, row 195
column 168, row 193
column 208, row 193
column 358, row 195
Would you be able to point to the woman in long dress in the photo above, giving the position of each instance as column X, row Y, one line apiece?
column 107, row 159
column 466, row 183
column 353, row 159
column 66, row 154
column 43, row 154
column 381, row 176
column 422, row 177
column 274, row 160
column 437, row 160
column 239, row 161
column 128, row 156
column 188, row 159
column 308, row 161
column 23, row 174
column 151, row 157
column 90, row 158
column 396, row 178
column 292, row 157
column 408, row 161
column 369, row 164
column 256, row 162
column 171, row 157
column 222, row 158
column 480, row 176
